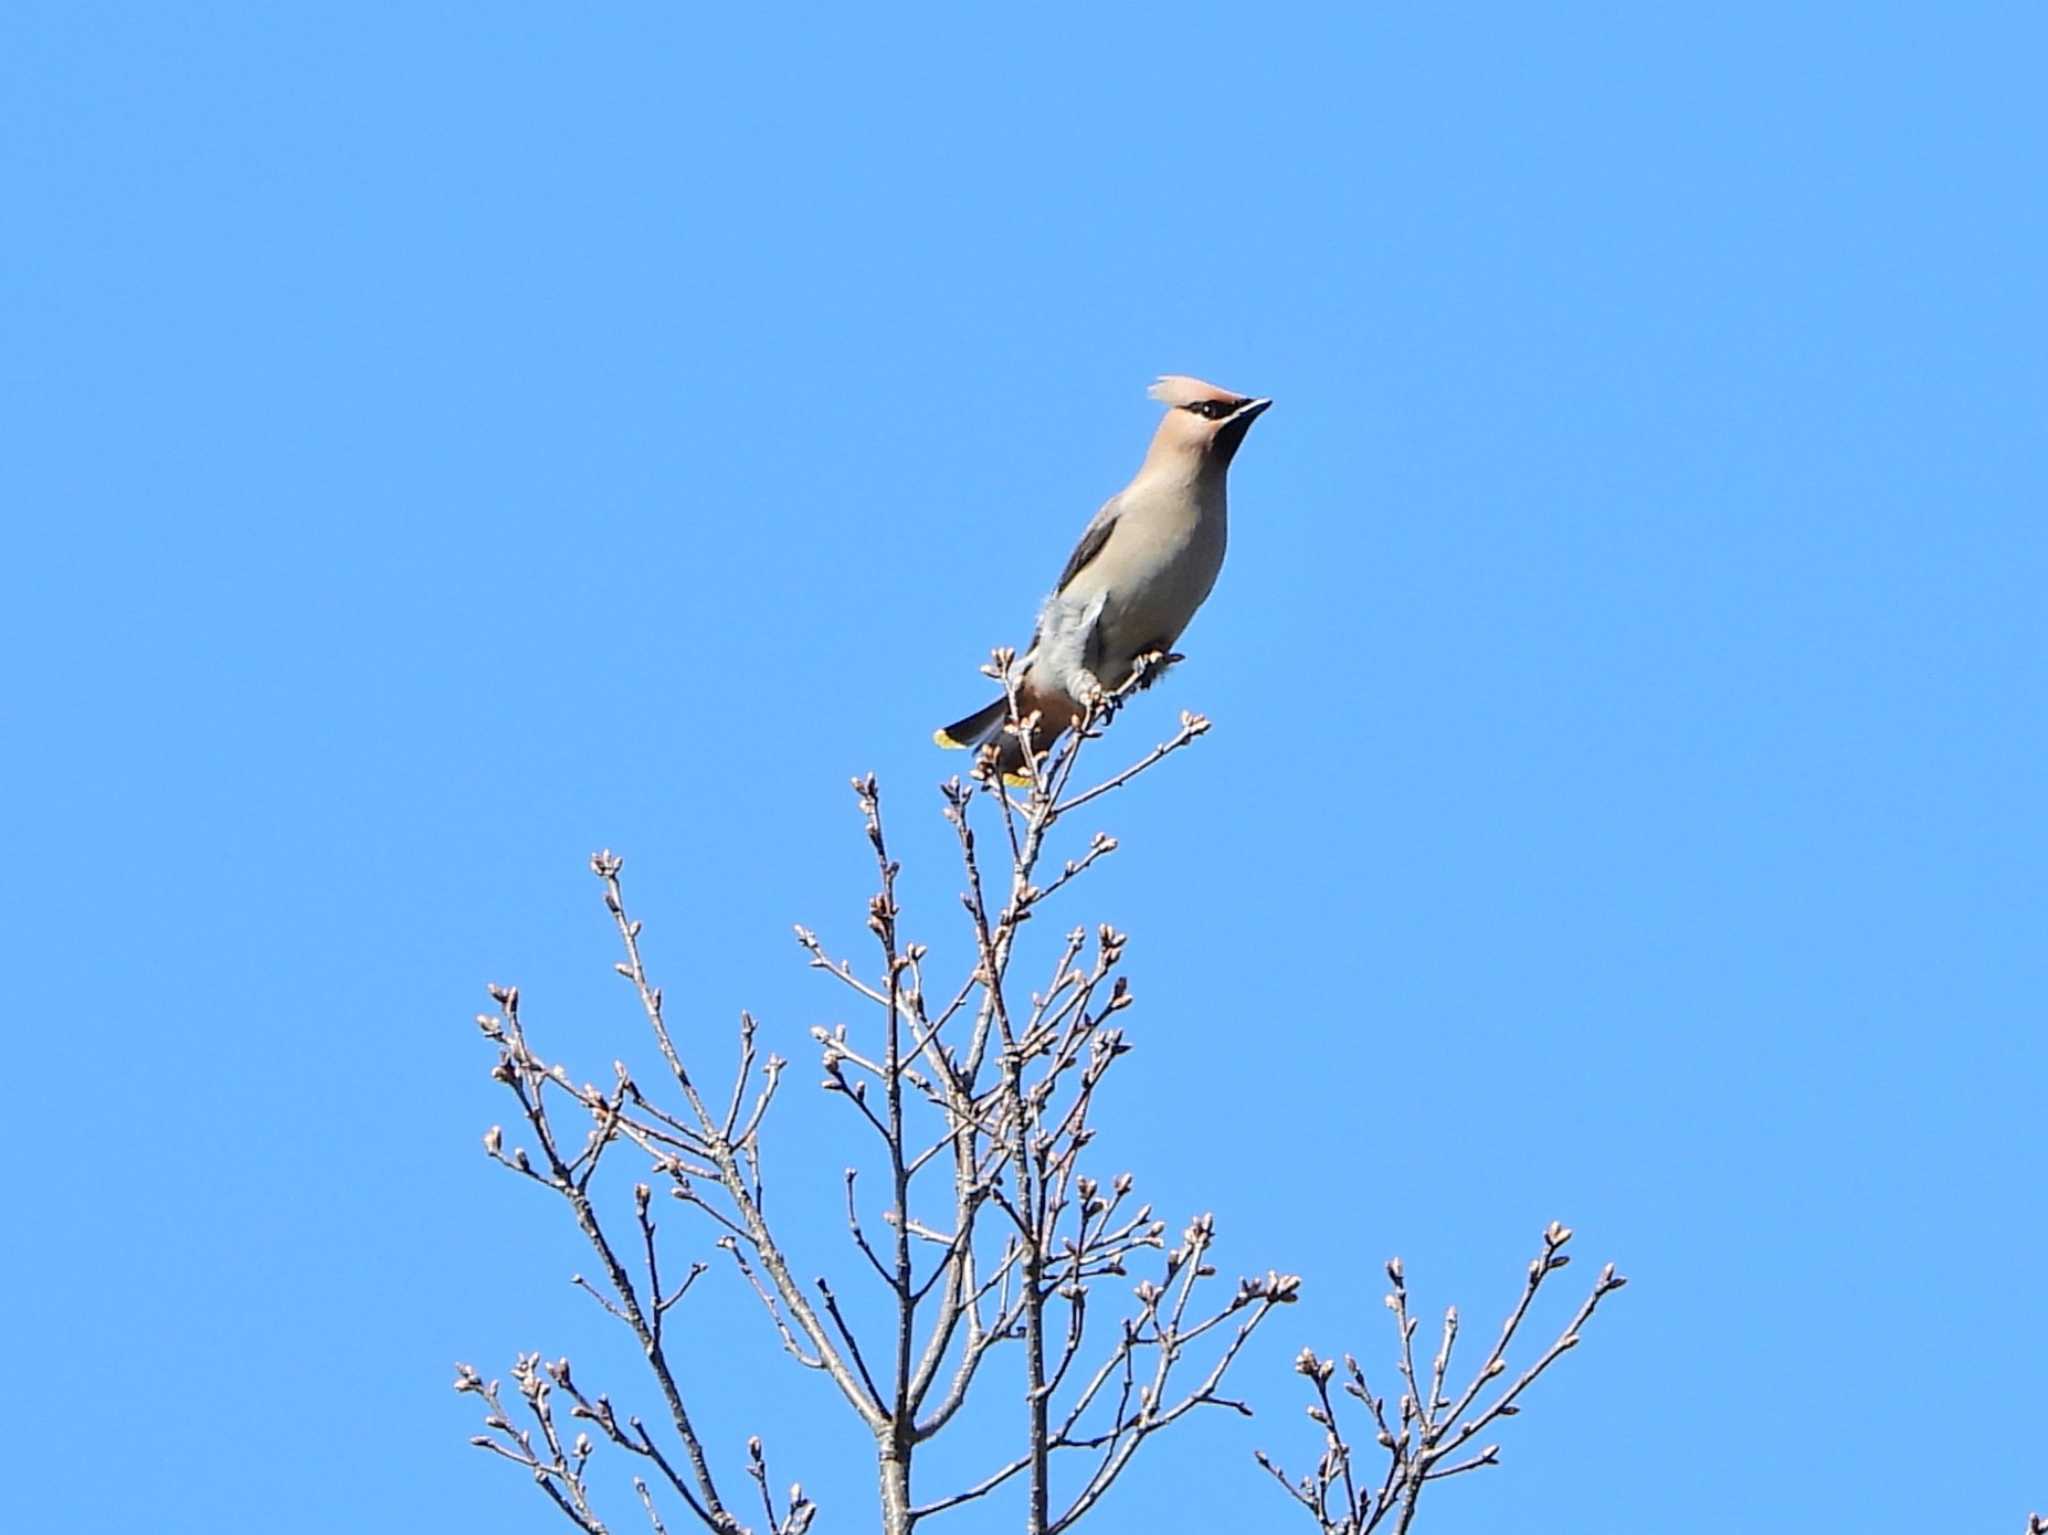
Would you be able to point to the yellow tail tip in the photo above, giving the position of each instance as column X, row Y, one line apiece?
column 940, row 738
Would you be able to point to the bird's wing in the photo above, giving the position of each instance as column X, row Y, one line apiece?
column 1093, row 537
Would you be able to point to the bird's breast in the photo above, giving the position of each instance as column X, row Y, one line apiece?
column 1162, row 573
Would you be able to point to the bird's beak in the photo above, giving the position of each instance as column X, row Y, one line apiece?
column 1230, row 431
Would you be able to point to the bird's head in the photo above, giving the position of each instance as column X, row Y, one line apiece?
column 1203, row 419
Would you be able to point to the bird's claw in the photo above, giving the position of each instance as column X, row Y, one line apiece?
column 1149, row 667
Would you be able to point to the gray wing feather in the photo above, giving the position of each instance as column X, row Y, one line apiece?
column 1093, row 537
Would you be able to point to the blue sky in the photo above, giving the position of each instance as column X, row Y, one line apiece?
column 439, row 442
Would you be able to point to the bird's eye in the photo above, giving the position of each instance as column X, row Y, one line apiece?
column 1210, row 410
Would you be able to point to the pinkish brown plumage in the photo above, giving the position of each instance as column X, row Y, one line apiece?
column 1144, row 565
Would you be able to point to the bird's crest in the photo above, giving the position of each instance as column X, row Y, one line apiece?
column 1178, row 389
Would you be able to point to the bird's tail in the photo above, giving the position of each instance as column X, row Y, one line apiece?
column 976, row 730
column 986, row 725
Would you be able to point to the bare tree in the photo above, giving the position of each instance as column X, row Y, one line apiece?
column 1431, row 1435
column 992, row 1248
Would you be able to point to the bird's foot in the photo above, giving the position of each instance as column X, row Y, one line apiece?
column 1149, row 666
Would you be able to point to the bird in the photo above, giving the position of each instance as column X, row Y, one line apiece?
column 1144, row 564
